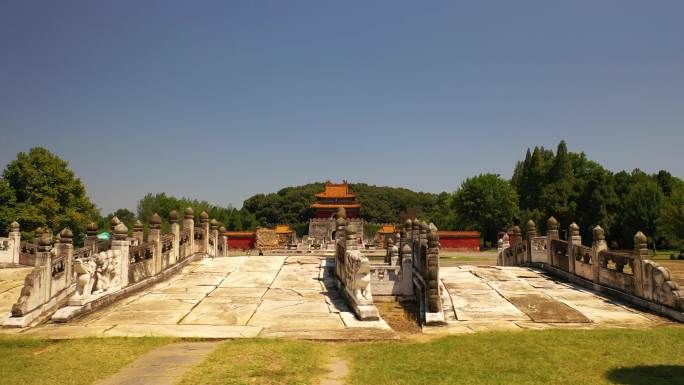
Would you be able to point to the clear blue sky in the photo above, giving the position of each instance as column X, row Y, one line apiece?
column 219, row 100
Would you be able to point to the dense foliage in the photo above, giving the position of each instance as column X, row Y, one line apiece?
column 379, row 205
column 572, row 188
column 39, row 189
column 231, row 218
column 487, row 203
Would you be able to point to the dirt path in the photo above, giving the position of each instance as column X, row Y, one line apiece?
column 162, row 366
column 338, row 371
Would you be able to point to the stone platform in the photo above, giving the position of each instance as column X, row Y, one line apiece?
column 231, row 297
column 484, row 298
column 290, row 296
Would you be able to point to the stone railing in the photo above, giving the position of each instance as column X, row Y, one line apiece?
column 10, row 247
column 353, row 272
column 48, row 285
column 419, row 246
column 630, row 275
column 66, row 283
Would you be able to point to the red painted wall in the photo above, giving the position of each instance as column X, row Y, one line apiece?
column 246, row 243
column 459, row 243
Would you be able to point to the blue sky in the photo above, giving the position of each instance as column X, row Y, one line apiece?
column 219, row 100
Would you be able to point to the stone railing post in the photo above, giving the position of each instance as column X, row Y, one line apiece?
column 120, row 242
column 65, row 248
column 222, row 242
column 214, row 225
column 15, row 236
column 174, row 228
column 434, row 296
column 531, row 234
column 574, row 242
column 91, row 237
column 517, row 239
column 505, row 245
column 597, row 246
column 204, row 225
column 138, row 231
column 154, row 236
column 551, row 234
column 641, row 254
column 189, row 223
column 44, row 259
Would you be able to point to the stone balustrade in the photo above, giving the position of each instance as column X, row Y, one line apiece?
column 630, row 275
column 10, row 246
column 353, row 271
column 66, row 283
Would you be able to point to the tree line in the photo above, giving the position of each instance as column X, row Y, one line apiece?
column 38, row 189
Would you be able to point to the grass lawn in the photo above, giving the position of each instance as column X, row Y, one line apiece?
column 647, row 357
column 261, row 361
column 68, row 362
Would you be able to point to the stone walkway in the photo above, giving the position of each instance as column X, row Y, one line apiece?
column 231, row 297
column 162, row 366
column 479, row 298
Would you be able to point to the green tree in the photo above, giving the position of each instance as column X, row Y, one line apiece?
column 671, row 221
column 45, row 192
column 487, row 203
column 641, row 207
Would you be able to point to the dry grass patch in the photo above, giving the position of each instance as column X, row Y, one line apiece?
column 647, row 357
column 261, row 361
column 68, row 362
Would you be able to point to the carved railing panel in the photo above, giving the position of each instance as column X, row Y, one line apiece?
column 539, row 250
column 559, row 249
column 619, row 261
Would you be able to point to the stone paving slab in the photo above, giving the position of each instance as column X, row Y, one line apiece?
column 250, row 279
column 231, row 297
column 541, row 308
column 183, row 331
column 514, row 298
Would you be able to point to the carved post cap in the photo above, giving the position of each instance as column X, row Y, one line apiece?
column 574, row 229
column 406, row 250
column 516, row 230
column 599, row 234
column 14, row 226
column 155, row 221
column 91, row 229
column 45, row 242
column 214, row 224
column 531, row 229
column 66, row 236
column 408, row 224
column 390, row 242
column 189, row 213
column 173, row 216
column 341, row 213
column 137, row 225
column 114, row 222
column 204, row 217
column 640, row 240
column 222, row 229
column 120, row 232
column 552, row 224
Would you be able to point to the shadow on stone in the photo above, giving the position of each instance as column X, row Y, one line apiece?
column 648, row 375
